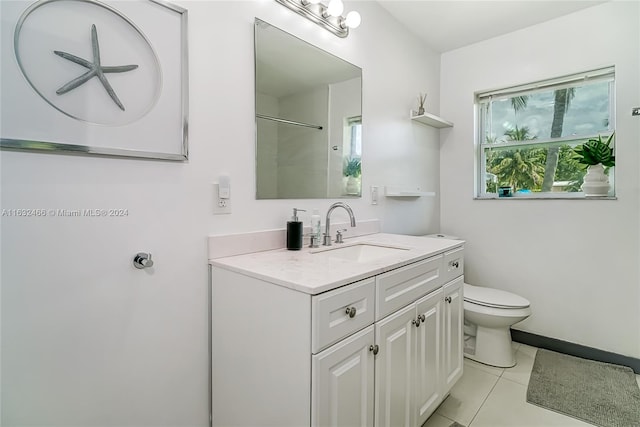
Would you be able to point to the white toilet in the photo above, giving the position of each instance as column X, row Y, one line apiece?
column 488, row 315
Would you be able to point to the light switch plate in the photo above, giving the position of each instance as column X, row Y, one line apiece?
column 374, row 195
column 224, row 187
column 220, row 206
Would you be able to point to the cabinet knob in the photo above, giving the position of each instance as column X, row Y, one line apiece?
column 448, row 299
column 416, row 322
column 351, row 311
column 422, row 317
column 454, row 264
column 374, row 349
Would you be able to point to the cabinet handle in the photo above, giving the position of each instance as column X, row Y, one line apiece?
column 422, row 317
column 416, row 322
column 448, row 299
column 351, row 311
column 454, row 264
column 374, row 349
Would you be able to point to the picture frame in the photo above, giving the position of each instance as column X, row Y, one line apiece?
column 95, row 77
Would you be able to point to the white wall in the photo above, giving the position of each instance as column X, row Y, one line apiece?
column 88, row 340
column 577, row 260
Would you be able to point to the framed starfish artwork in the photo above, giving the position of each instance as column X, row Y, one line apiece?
column 94, row 77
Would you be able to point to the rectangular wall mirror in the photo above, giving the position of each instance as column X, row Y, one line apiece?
column 308, row 119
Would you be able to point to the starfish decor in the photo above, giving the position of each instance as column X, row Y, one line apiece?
column 96, row 69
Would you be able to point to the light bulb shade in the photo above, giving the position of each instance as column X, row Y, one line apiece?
column 353, row 19
column 335, row 8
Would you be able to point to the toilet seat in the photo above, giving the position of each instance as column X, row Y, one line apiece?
column 496, row 298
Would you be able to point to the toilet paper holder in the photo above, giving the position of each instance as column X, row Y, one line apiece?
column 142, row 260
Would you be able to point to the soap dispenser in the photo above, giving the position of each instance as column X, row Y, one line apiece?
column 294, row 231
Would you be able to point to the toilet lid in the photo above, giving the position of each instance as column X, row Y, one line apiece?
column 493, row 297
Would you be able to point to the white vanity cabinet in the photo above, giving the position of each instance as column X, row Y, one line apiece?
column 428, row 357
column 453, row 332
column 420, row 357
column 381, row 351
column 343, row 382
column 342, row 376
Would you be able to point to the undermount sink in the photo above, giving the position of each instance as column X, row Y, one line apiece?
column 360, row 252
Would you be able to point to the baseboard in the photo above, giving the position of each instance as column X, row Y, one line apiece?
column 573, row 349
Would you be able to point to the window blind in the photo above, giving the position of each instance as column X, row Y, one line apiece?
column 601, row 74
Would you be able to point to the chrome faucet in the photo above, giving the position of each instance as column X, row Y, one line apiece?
column 327, row 230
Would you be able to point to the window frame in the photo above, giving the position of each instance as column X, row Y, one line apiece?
column 354, row 140
column 483, row 101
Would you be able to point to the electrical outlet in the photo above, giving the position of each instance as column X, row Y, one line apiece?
column 220, row 206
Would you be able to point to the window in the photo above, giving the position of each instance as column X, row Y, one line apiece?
column 352, row 156
column 353, row 136
column 526, row 134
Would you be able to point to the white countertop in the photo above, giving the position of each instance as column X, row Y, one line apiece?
column 307, row 272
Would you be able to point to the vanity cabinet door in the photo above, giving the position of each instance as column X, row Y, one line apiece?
column 453, row 335
column 428, row 361
column 342, row 382
column 394, row 371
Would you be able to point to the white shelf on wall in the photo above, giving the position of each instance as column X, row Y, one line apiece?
column 430, row 120
column 407, row 192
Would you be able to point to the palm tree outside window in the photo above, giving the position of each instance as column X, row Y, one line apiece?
column 526, row 134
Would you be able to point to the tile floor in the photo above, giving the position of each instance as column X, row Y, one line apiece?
column 494, row 397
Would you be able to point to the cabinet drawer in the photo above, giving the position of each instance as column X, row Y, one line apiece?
column 341, row 312
column 453, row 264
column 402, row 286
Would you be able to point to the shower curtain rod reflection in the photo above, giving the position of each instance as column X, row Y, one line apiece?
column 289, row 122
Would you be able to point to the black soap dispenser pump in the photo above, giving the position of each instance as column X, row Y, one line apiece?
column 294, row 231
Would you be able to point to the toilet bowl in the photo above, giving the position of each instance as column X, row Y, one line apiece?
column 488, row 315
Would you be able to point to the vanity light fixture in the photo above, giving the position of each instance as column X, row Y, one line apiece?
column 328, row 16
column 335, row 8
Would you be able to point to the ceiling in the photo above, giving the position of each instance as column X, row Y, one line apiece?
column 448, row 25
